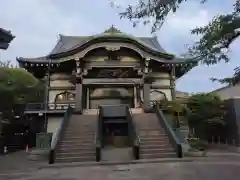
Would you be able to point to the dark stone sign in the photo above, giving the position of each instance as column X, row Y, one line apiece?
column 113, row 73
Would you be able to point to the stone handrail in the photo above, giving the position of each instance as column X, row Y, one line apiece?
column 135, row 140
column 98, row 135
column 171, row 134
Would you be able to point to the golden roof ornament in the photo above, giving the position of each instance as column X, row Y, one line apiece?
column 112, row 30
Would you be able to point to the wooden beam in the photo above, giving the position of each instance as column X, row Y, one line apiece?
column 62, row 88
column 155, row 86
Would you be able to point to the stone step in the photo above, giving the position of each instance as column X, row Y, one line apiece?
column 149, row 128
column 79, row 136
column 72, row 133
column 148, row 125
column 147, row 122
column 83, row 139
column 78, row 141
column 158, row 155
column 145, row 116
column 153, row 136
column 155, row 146
column 68, row 143
column 77, row 145
column 156, row 151
column 85, row 124
column 162, row 143
column 76, row 159
column 151, row 133
column 78, row 126
column 76, row 148
column 156, row 136
column 158, row 144
column 76, row 154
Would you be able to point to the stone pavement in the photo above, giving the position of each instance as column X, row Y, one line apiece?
column 195, row 170
column 220, row 167
column 18, row 162
column 116, row 154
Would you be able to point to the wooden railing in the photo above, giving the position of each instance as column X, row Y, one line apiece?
column 50, row 106
column 134, row 138
column 171, row 134
column 57, row 137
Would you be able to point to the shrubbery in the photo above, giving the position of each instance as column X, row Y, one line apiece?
column 206, row 115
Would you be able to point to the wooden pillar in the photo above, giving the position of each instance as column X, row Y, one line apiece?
column 78, row 107
column 88, row 99
column 135, row 96
column 78, row 97
column 146, row 87
column 146, row 97
column 172, row 83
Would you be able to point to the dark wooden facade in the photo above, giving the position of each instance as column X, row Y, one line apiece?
column 109, row 68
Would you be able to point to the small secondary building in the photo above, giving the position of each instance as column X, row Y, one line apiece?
column 228, row 92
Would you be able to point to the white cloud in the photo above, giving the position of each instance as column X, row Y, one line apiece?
column 186, row 21
column 37, row 23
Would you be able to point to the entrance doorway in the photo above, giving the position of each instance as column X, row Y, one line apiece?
column 115, row 126
column 115, row 132
column 110, row 96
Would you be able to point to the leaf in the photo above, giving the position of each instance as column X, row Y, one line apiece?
column 215, row 38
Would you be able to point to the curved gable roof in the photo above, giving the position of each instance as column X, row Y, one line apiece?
column 70, row 43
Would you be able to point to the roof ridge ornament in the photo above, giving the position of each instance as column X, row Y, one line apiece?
column 112, row 30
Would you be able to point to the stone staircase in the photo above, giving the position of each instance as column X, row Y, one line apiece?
column 154, row 142
column 78, row 143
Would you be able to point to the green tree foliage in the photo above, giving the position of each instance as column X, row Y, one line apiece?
column 215, row 37
column 206, row 115
column 17, row 86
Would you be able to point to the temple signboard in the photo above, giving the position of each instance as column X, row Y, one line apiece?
column 115, row 73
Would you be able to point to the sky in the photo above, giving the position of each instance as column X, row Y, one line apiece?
column 38, row 23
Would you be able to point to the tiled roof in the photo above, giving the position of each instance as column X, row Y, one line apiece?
column 67, row 43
